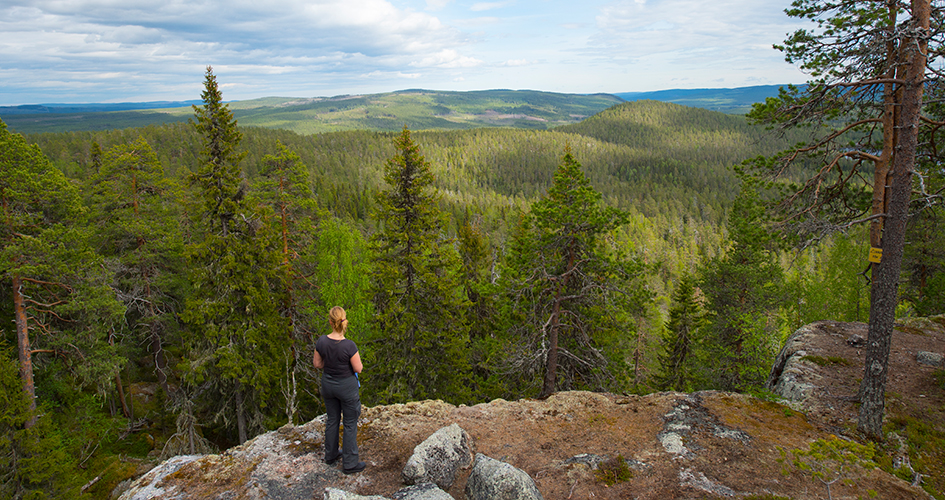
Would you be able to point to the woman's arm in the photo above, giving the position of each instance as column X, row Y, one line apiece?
column 356, row 363
column 317, row 360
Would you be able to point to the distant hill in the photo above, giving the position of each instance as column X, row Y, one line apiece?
column 32, row 109
column 731, row 101
column 416, row 108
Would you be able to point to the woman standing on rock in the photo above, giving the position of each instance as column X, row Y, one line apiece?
column 341, row 362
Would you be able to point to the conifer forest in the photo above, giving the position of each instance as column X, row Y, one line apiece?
column 163, row 286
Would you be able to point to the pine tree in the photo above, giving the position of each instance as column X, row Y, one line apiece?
column 871, row 63
column 572, row 298
column 284, row 187
column 418, row 295
column 238, row 349
column 56, row 281
column 137, row 230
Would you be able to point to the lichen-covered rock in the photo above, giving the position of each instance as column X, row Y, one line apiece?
column 438, row 458
column 495, row 480
column 425, row 491
column 151, row 484
column 790, row 376
column 336, row 494
column 931, row 359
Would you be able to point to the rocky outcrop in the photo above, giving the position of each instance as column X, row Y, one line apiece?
column 791, row 377
column 495, row 480
column 700, row 445
column 438, row 458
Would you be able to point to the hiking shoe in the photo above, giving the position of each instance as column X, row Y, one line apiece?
column 333, row 461
column 357, row 468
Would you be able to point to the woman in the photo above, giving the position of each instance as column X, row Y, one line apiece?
column 339, row 359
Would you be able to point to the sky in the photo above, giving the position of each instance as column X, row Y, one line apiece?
column 85, row 51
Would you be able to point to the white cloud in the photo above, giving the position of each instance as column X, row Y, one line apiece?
column 511, row 63
column 104, row 50
column 447, row 58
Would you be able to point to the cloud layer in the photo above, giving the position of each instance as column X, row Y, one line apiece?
column 135, row 50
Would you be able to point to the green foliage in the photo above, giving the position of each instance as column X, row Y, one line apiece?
column 344, row 274
column 742, row 290
column 35, row 463
column 239, row 343
column 568, row 289
column 613, row 471
column 925, row 441
column 830, row 460
column 830, row 360
column 829, row 282
column 681, row 339
column 416, row 283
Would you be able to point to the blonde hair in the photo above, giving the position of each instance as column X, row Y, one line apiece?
column 336, row 318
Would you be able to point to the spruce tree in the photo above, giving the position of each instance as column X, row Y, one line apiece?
column 742, row 289
column 418, row 296
column 680, row 339
column 238, row 348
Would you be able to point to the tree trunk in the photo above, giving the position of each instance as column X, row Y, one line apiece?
column 886, row 274
column 891, row 97
column 551, row 366
column 23, row 346
column 118, row 384
column 240, row 416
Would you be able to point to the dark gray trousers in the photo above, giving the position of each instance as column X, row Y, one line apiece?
column 342, row 400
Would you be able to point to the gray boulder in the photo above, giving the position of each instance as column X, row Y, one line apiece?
column 438, row 458
column 425, row 491
column 494, row 480
column 336, row 494
column 931, row 359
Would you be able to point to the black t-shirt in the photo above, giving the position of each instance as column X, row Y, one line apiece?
column 337, row 355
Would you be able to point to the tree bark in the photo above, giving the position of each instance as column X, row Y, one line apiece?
column 886, row 274
column 551, row 367
column 118, row 384
column 240, row 416
column 23, row 346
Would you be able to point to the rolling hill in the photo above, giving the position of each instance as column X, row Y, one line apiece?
column 418, row 109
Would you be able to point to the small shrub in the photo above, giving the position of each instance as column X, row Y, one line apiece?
column 939, row 376
column 829, row 360
column 613, row 471
column 830, row 460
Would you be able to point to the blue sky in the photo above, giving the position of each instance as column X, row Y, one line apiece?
column 77, row 51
